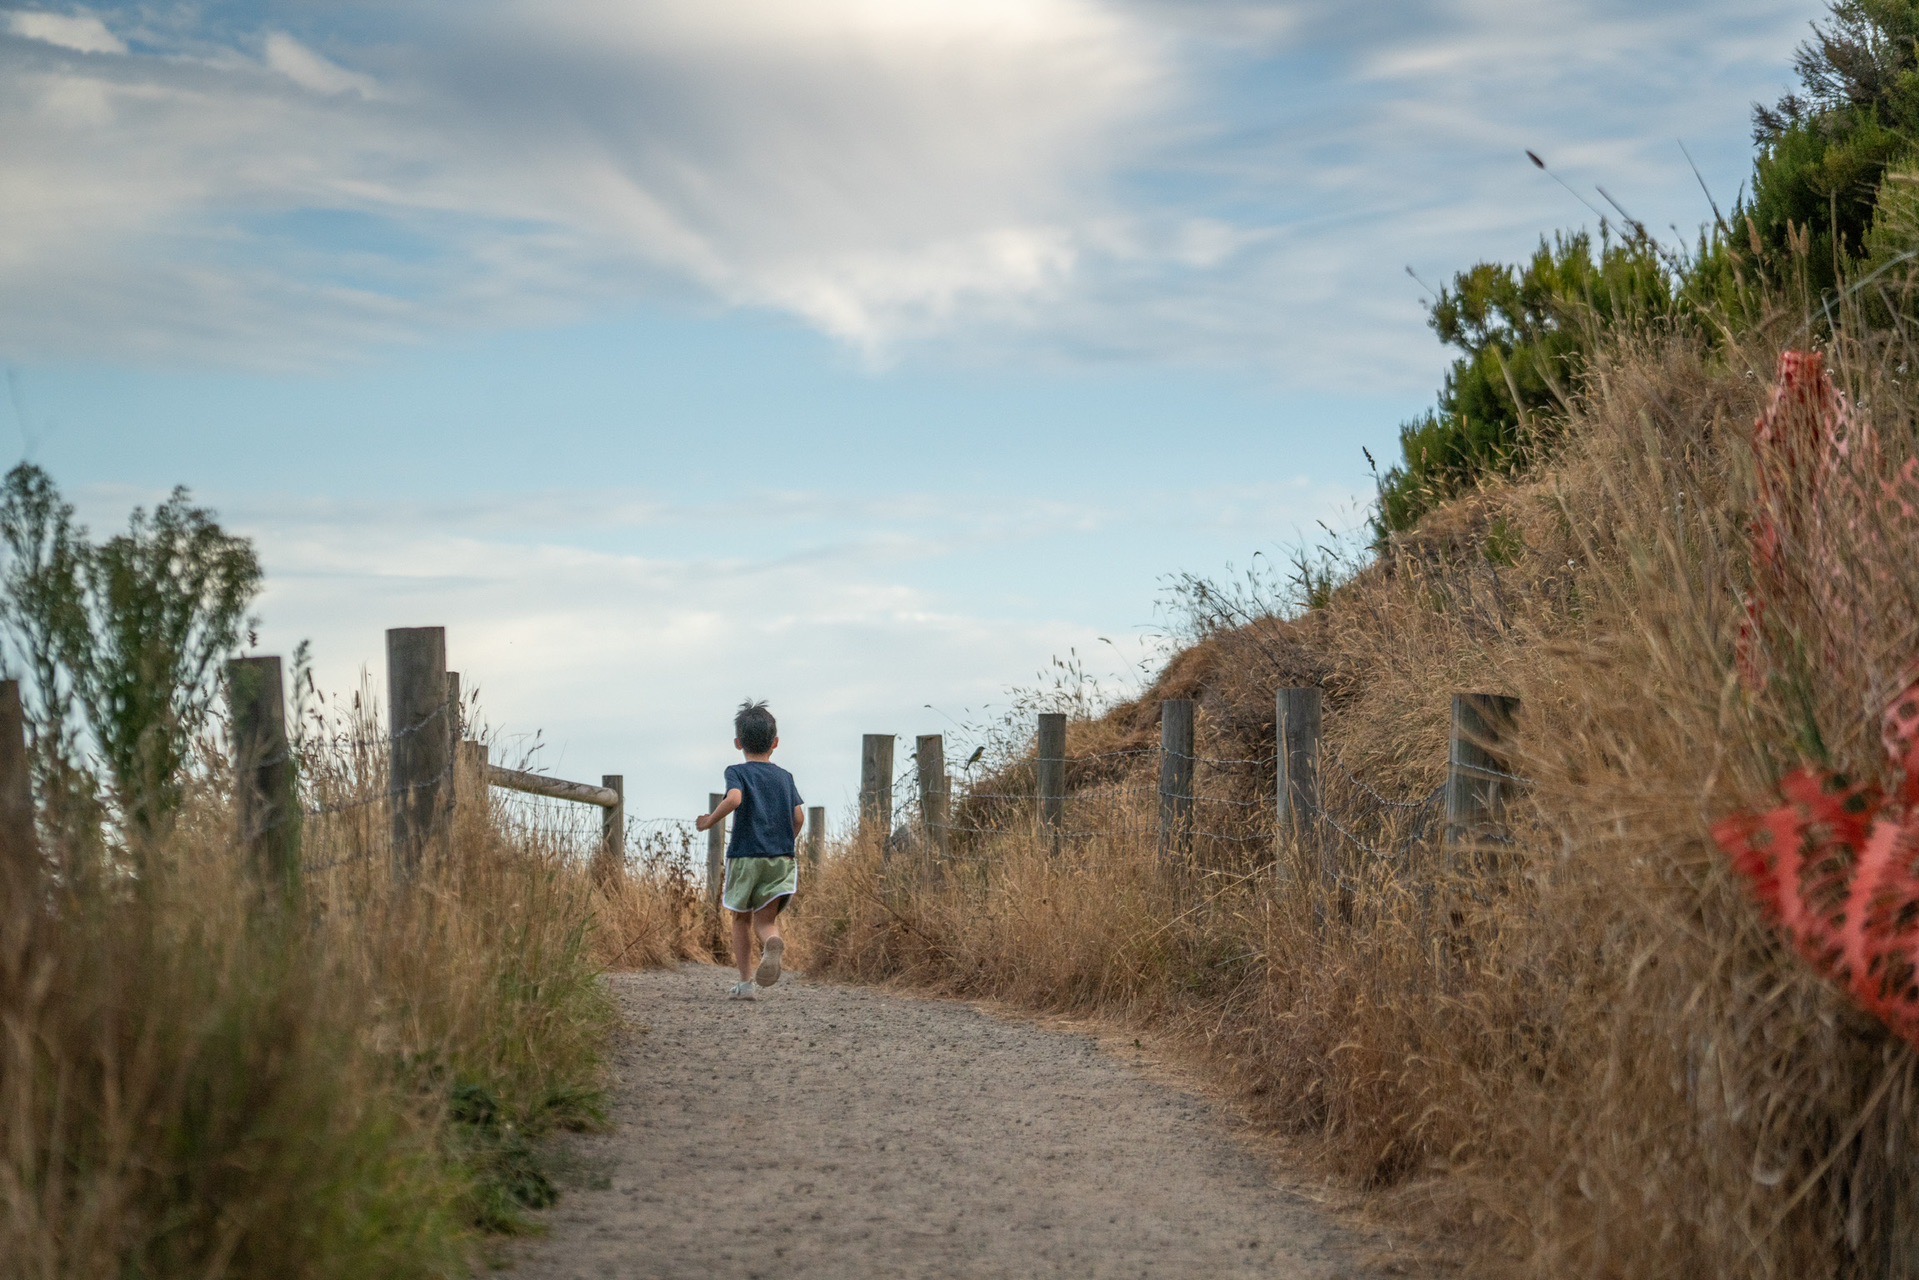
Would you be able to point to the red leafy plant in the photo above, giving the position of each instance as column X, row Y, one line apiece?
column 1833, row 868
column 1820, row 525
column 1833, row 865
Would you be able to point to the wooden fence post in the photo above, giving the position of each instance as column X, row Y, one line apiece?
column 421, row 748
column 929, row 756
column 1298, row 717
column 876, row 787
column 471, row 788
column 1050, row 753
column 268, row 800
column 815, row 837
column 715, row 849
column 1175, row 776
column 21, row 873
column 1477, row 771
column 455, row 730
column 613, row 827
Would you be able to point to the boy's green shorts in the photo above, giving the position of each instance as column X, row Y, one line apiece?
column 751, row 883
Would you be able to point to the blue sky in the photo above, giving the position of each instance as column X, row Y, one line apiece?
column 861, row 354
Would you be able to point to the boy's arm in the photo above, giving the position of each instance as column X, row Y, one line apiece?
column 707, row 821
column 799, row 819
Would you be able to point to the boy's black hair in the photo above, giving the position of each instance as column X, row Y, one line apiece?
column 755, row 727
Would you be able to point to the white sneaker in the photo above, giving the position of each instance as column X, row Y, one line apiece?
column 742, row 991
column 769, row 970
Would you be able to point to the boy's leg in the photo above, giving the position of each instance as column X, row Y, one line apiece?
column 773, row 947
column 767, row 918
column 743, row 944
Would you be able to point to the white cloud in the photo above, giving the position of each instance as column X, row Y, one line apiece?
column 1207, row 181
column 872, row 299
column 869, row 166
column 311, row 71
column 83, row 33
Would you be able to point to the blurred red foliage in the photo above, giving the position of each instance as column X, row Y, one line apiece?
column 1833, row 865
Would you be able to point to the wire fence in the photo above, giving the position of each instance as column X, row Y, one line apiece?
column 1219, row 813
column 346, row 798
column 1227, row 820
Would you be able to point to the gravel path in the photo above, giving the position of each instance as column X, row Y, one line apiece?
column 833, row 1131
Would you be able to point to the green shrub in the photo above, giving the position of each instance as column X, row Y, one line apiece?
column 1524, row 335
column 133, row 630
column 190, row 1086
column 1829, row 206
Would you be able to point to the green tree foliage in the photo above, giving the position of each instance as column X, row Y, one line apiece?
column 1823, row 152
column 1823, row 156
column 1815, row 189
column 1835, row 198
column 1895, row 222
column 131, row 632
column 38, row 606
column 1524, row 334
column 168, row 603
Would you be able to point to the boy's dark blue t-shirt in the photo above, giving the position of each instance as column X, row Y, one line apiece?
column 763, row 824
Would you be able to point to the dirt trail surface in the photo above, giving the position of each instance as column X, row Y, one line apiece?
column 832, row 1131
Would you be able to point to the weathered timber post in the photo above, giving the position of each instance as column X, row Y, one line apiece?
column 268, row 800
column 929, row 754
column 455, row 729
column 613, row 828
column 815, row 837
column 1478, row 777
column 474, row 759
column 715, row 849
column 876, row 787
column 21, row 874
column 1297, row 717
column 422, row 749
column 1175, row 776
column 1050, row 754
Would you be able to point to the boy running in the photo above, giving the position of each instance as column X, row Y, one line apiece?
column 761, row 871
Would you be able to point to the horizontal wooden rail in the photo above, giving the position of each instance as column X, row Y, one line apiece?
column 538, row 784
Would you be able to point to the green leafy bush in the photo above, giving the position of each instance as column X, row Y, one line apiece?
column 1832, row 204
column 1524, row 335
column 190, row 1085
column 133, row 631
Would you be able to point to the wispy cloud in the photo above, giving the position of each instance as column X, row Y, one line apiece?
column 82, row 33
column 870, row 167
column 1203, row 181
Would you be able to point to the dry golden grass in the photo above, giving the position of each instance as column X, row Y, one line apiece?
column 195, row 1082
column 1582, row 1053
column 652, row 911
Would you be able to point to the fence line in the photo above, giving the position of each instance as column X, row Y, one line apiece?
column 391, row 795
column 1314, row 800
column 308, row 807
column 426, row 762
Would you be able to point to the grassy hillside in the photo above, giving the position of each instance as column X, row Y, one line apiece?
column 1604, row 1042
column 1582, row 1051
